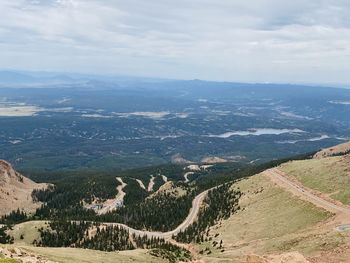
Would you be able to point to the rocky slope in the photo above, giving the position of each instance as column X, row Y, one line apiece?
column 16, row 190
column 333, row 151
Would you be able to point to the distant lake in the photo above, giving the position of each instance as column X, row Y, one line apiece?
column 256, row 132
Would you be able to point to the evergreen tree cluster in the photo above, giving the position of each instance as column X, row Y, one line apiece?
column 161, row 248
column 171, row 253
column 4, row 237
column 71, row 189
column 148, row 243
column 105, row 238
column 220, row 203
column 346, row 152
column 63, row 234
column 42, row 195
column 15, row 217
column 162, row 212
column 110, row 238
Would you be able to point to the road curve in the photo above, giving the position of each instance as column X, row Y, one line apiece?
column 191, row 217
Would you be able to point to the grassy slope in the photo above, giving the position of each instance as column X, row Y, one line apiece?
column 29, row 230
column 271, row 221
column 2, row 260
column 328, row 175
column 70, row 255
column 73, row 255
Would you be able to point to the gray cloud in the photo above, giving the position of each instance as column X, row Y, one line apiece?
column 260, row 40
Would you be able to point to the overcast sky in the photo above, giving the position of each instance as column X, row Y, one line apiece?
column 237, row 40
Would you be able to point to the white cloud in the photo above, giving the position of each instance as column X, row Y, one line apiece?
column 260, row 40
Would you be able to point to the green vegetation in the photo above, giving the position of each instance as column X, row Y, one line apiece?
column 158, row 182
column 163, row 249
column 220, row 203
column 106, row 238
column 134, row 193
column 162, row 212
column 69, row 255
column 171, row 253
column 110, row 238
column 290, row 227
column 25, row 233
column 15, row 217
column 3, row 260
column 318, row 173
column 4, row 237
column 62, row 234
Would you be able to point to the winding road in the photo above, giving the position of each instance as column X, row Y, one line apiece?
column 111, row 204
column 190, row 219
column 306, row 194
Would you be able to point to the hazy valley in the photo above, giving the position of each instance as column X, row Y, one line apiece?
column 171, row 171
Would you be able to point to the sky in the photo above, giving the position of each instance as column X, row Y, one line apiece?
column 295, row 41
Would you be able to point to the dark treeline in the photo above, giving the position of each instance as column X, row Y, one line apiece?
column 163, row 212
column 106, row 238
column 4, row 237
column 72, row 188
column 220, row 203
column 110, row 238
column 158, row 182
column 340, row 153
column 134, row 193
column 63, row 234
column 65, row 200
column 15, row 217
column 161, row 248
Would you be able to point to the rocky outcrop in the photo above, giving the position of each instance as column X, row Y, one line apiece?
column 16, row 190
column 22, row 255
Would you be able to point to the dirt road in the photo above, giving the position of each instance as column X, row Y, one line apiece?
column 186, row 176
column 141, row 184
column 342, row 211
column 151, row 184
column 111, row 204
column 191, row 217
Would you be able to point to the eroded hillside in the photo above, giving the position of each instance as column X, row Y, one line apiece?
column 16, row 190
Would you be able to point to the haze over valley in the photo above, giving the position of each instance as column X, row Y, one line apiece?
column 189, row 131
column 106, row 125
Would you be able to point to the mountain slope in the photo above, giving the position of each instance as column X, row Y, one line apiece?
column 271, row 222
column 329, row 176
column 339, row 149
column 16, row 190
column 303, row 217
